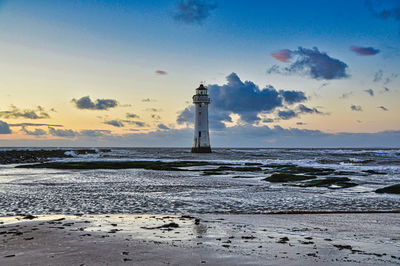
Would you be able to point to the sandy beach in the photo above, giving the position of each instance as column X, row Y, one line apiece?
column 274, row 239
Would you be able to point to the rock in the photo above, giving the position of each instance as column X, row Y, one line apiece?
column 330, row 182
column 282, row 178
column 395, row 189
column 29, row 217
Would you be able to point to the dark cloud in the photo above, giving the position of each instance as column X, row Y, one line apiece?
column 4, row 128
column 383, row 108
column 99, row 104
column 300, row 109
column 193, row 11
column 268, row 120
column 385, row 89
column 378, row 75
column 287, row 114
column 94, row 133
column 69, row 133
column 38, row 113
column 313, row 63
column 283, row 55
column 357, row 108
column 291, row 97
column 301, row 124
column 138, row 123
column 243, row 98
column 364, row 51
column 36, row 132
column 155, row 116
column 63, row 133
column 161, row 72
column 162, row 126
column 115, row 123
column 33, row 124
column 370, row 92
column 131, row 115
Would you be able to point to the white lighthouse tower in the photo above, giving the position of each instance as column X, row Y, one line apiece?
column 201, row 141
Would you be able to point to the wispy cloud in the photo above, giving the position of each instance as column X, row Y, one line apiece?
column 36, row 132
column 383, row 108
column 99, row 104
column 313, row 63
column 38, row 113
column 114, row 123
column 193, row 11
column 370, row 92
column 356, row 108
column 161, row 72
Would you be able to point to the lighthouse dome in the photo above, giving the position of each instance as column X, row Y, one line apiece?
column 201, row 90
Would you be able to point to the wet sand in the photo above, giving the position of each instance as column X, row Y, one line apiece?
column 275, row 239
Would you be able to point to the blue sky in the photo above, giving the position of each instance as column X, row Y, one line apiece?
column 149, row 56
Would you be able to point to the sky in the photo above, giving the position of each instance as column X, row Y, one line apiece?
column 123, row 72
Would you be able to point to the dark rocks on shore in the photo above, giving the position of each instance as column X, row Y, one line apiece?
column 33, row 156
column 149, row 165
column 284, row 177
column 395, row 189
column 330, row 182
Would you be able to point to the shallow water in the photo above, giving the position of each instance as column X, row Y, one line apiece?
column 49, row 191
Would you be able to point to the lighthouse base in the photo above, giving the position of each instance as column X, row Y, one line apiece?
column 201, row 149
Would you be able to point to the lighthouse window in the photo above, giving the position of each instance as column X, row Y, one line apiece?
column 200, row 134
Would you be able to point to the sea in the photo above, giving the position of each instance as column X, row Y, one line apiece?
column 135, row 191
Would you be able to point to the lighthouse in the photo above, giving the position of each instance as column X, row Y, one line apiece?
column 201, row 140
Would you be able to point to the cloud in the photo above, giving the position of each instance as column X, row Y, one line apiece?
column 357, row 108
column 243, row 98
column 114, row 123
column 346, row 95
column 291, row 97
column 300, row 109
column 38, row 113
column 364, row 51
column 138, row 123
column 193, row 11
column 4, row 128
column 268, row 120
column 99, row 104
column 162, row 126
column 153, row 110
column 94, row 133
column 378, row 75
column 383, row 108
column 301, row 123
column 155, row 116
column 370, row 92
column 36, row 132
column 283, row 55
column 147, row 100
column 287, row 114
column 385, row 89
column 384, row 9
column 161, row 72
column 64, row 133
column 131, row 115
column 69, row 133
column 34, row 124
column 313, row 63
